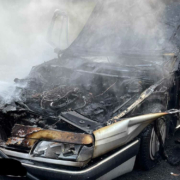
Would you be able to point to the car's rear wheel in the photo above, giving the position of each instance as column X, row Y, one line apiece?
column 149, row 155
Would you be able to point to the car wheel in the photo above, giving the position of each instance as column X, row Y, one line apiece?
column 149, row 155
column 154, row 142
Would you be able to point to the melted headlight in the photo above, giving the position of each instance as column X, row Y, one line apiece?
column 63, row 151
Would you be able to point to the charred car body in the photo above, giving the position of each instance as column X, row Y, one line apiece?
column 89, row 115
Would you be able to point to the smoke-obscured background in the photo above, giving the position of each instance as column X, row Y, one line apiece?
column 23, row 32
column 24, row 25
column 115, row 25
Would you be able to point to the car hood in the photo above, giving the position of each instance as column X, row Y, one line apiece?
column 115, row 27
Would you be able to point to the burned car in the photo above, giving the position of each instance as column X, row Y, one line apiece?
column 97, row 108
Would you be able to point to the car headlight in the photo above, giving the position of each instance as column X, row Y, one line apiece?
column 63, row 151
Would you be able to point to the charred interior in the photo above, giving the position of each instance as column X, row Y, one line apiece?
column 93, row 91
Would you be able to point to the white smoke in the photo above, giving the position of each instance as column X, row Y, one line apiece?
column 24, row 25
column 23, row 33
column 8, row 93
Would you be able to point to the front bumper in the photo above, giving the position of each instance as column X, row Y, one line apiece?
column 93, row 171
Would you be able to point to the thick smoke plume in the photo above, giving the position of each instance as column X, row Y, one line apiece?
column 24, row 26
column 23, row 33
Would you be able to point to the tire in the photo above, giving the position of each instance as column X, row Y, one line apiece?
column 148, row 156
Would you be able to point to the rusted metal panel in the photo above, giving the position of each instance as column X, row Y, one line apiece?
column 16, row 141
column 27, row 136
column 62, row 136
column 22, row 131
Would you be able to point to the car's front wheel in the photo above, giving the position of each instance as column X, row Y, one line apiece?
column 149, row 155
column 154, row 142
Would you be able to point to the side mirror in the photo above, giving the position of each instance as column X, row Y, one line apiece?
column 58, row 31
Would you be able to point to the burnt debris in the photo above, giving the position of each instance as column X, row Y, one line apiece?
column 78, row 97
